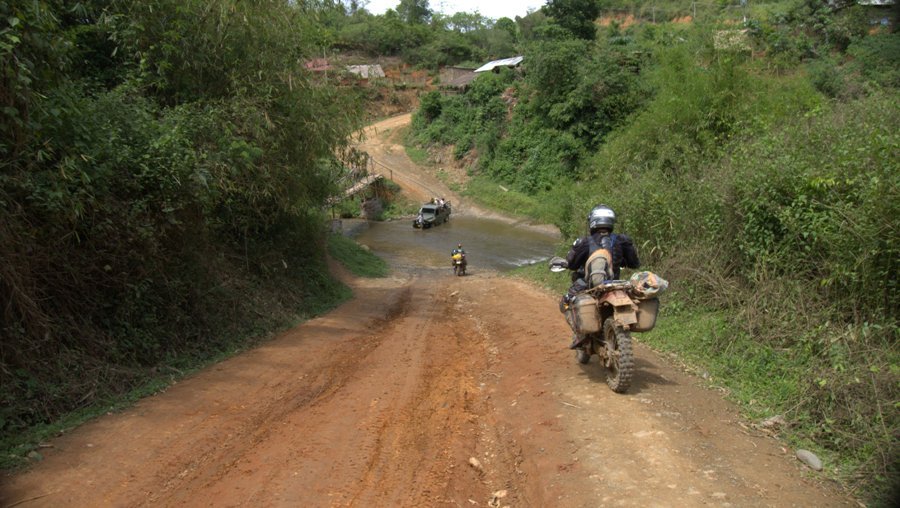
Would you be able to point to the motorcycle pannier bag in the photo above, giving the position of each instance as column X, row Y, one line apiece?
column 646, row 315
column 587, row 315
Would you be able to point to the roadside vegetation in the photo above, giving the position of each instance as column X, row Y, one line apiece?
column 358, row 260
column 163, row 172
column 753, row 154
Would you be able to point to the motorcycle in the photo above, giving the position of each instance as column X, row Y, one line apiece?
column 603, row 316
column 459, row 264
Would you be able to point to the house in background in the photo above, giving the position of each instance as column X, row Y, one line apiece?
column 882, row 13
column 456, row 79
column 452, row 73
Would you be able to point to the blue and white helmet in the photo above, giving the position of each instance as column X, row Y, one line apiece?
column 601, row 216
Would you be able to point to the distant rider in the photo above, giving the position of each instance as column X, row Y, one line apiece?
column 601, row 221
column 458, row 250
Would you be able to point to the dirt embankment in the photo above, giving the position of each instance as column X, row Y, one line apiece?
column 423, row 391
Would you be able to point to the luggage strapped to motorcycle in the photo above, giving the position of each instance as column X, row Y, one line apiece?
column 596, row 251
column 609, row 285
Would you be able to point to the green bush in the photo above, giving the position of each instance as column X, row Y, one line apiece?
column 819, row 202
column 430, row 105
column 478, row 110
column 877, row 58
column 152, row 202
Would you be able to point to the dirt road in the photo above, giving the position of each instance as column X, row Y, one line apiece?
column 423, row 391
column 384, row 145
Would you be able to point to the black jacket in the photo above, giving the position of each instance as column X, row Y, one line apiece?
column 623, row 253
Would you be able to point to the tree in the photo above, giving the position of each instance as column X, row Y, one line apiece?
column 509, row 26
column 142, row 142
column 576, row 16
column 414, row 12
column 530, row 24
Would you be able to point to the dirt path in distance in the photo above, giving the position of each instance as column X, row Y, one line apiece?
column 384, row 144
column 423, row 390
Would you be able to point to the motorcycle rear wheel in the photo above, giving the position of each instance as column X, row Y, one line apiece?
column 619, row 356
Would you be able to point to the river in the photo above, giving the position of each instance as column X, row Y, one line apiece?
column 489, row 243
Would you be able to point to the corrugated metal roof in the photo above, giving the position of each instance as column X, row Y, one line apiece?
column 506, row 62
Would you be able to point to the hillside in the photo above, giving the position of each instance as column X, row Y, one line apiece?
column 752, row 153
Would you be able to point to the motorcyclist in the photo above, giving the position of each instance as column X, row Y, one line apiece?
column 601, row 221
column 458, row 250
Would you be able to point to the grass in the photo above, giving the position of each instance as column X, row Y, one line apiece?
column 543, row 277
column 761, row 379
column 359, row 261
column 417, row 155
column 420, row 157
column 544, row 208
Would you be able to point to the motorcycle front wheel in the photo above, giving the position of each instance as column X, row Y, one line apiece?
column 619, row 357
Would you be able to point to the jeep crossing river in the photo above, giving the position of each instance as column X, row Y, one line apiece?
column 432, row 214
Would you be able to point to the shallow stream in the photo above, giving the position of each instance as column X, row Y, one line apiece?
column 489, row 243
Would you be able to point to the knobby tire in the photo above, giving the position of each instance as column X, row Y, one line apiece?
column 621, row 358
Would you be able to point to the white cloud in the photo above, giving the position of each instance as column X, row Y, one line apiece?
column 491, row 8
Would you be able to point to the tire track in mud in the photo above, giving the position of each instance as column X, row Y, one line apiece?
column 318, row 387
column 424, row 416
column 286, row 396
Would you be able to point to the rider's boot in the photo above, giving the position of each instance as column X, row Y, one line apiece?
column 576, row 341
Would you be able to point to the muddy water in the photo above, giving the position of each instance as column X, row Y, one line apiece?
column 489, row 244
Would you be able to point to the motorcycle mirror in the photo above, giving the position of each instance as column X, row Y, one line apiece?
column 558, row 264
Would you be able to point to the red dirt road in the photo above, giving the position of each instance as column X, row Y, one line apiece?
column 423, row 391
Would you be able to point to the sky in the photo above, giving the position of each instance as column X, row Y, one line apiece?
column 490, row 8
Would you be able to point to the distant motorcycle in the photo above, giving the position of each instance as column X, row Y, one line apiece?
column 459, row 264
column 603, row 317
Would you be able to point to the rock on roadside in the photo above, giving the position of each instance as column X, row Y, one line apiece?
column 810, row 459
